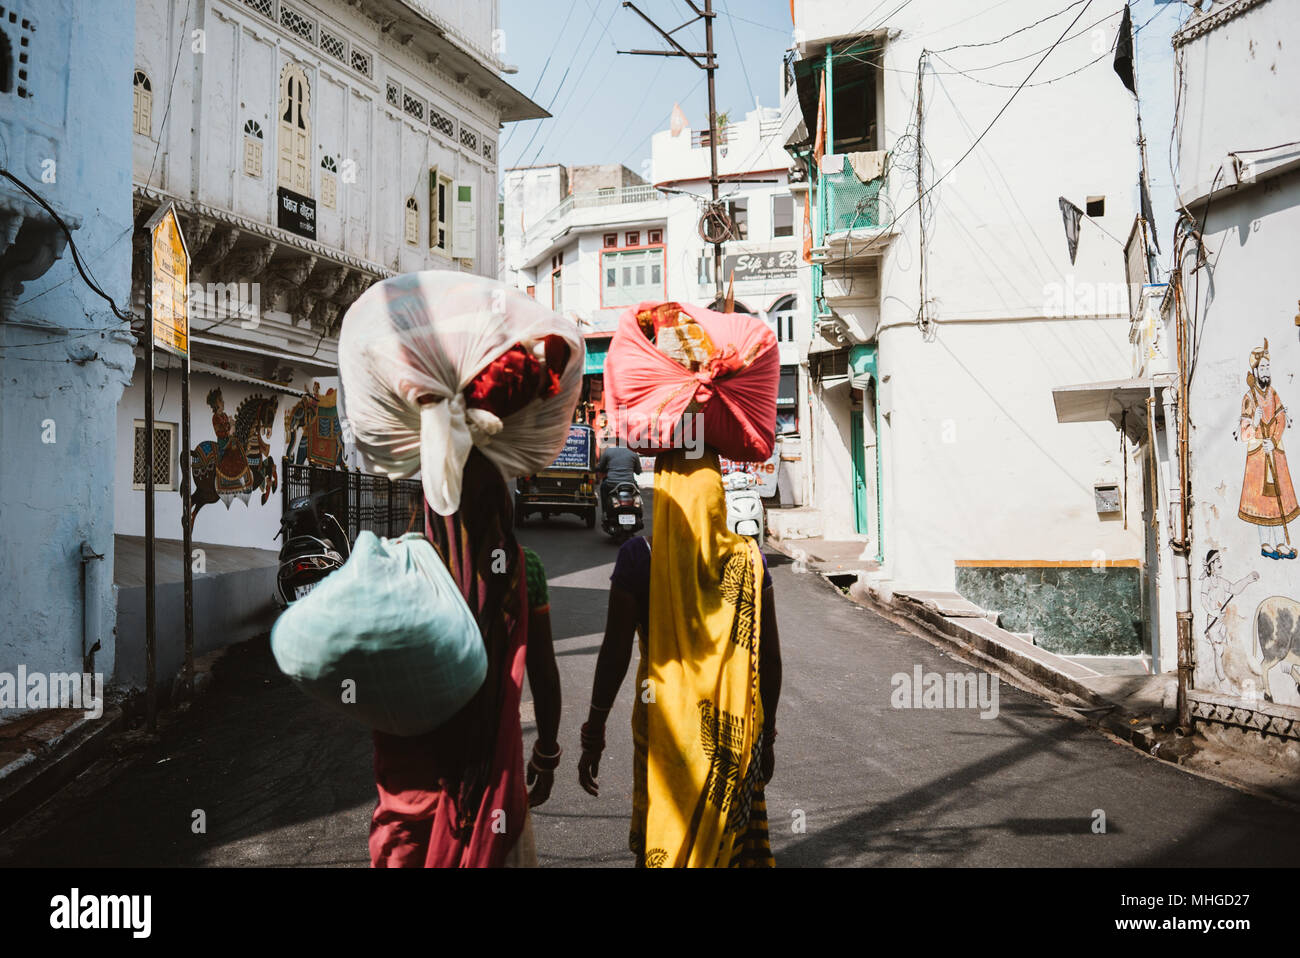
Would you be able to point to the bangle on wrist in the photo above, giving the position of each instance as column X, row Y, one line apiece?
column 543, row 762
column 593, row 740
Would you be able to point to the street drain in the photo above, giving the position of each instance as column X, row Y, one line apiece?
column 841, row 580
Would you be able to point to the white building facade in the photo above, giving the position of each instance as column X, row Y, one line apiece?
column 942, row 324
column 311, row 149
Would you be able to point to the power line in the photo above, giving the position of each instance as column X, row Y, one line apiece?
column 978, row 139
column 739, row 53
column 541, row 76
column 989, row 43
column 72, row 245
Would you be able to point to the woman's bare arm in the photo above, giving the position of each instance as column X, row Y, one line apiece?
column 611, row 668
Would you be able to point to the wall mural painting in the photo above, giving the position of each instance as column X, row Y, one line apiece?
column 1277, row 642
column 1217, row 594
column 1268, row 499
column 313, row 424
column 239, row 461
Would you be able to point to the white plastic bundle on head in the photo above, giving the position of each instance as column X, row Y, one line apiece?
column 429, row 334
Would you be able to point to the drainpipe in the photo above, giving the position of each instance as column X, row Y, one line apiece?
column 90, row 609
column 1181, row 546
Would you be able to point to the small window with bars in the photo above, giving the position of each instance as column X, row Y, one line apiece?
column 833, row 364
column 297, row 24
column 489, row 150
column 394, row 95
column 468, row 138
column 361, row 62
column 443, row 124
column 413, row 106
column 265, row 7
column 164, row 457
column 334, row 46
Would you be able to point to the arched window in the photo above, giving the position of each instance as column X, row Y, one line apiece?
column 328, row 182
column 412, row 221
column 253, row 149
column 294, row 147
column 718, row 305
column 142, row 111
column 782, row 314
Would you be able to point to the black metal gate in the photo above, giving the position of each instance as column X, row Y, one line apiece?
column 387, row 507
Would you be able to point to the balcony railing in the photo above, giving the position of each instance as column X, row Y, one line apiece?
column 850, row 203
column 609, row 196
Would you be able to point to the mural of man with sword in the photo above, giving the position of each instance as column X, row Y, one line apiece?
column 1267, row 495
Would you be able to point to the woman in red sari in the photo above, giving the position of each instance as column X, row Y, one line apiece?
column 456, row 797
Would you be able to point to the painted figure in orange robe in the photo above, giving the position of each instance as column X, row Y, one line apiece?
column 1267, row 495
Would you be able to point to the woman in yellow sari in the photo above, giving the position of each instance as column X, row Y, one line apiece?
column 704, row 718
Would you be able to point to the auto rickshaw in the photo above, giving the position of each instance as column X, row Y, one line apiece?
column 567, row 485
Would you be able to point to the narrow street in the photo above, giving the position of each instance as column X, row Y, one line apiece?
column 282, row 782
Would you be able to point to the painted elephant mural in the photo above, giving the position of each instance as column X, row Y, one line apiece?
column 313, row 431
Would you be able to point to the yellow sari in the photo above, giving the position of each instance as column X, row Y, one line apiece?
column 697, row 722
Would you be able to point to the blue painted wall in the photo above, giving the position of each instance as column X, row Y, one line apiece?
column 63, row 357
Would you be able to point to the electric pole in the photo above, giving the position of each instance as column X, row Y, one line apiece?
column 709, row 65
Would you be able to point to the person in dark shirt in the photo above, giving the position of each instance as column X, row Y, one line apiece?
column 617, row 464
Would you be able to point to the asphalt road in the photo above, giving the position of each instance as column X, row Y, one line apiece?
column 280, row 781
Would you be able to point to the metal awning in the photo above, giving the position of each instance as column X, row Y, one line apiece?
column 197, row 367
column 1116, row 401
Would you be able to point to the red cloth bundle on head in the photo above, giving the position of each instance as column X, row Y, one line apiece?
column 517, row 377
column 721, row 371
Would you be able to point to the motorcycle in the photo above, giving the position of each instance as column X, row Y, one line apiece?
column 744, row 505
column 621, row 514
column 315, row 544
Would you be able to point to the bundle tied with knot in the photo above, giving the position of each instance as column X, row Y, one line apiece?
column 432, row 364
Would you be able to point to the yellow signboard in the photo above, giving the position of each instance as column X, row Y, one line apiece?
column 171, row 276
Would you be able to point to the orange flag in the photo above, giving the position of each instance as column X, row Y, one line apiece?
column 807, row 231
column 677, row 123
column 819, row 141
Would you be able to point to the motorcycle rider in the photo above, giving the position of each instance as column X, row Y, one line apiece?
column 617, row 464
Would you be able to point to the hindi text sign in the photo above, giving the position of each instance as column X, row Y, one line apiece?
column 170, row 263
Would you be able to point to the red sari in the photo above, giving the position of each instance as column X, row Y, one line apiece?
column 455, row 798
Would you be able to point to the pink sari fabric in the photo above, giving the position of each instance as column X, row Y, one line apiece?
column 455, row 798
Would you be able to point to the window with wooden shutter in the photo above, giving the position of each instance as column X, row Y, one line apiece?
column 253, row 149
column 294, row 148
column 412, row 221
column 328, row 182
column 465, row 230
column 142, row 111
column 440, row 235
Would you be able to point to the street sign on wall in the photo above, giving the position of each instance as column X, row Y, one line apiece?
column 170, row 264
column 295, row 213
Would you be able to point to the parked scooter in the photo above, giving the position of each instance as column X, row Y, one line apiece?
column 621, row 514
column 315, row 544
column 744, row 505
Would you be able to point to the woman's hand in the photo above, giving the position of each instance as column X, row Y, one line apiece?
column 593, row 744
column 541, row 774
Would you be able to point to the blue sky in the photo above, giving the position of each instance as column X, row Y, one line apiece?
column 608, row 105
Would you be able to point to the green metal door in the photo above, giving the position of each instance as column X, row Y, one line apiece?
column 856, row 439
